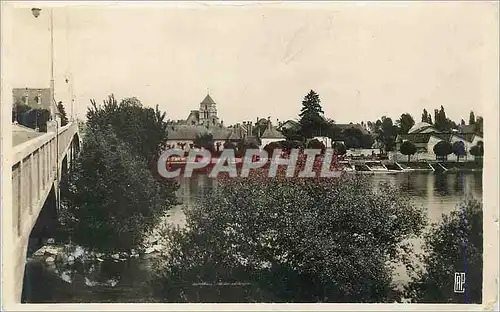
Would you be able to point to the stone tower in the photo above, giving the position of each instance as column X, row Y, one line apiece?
column 208, row 112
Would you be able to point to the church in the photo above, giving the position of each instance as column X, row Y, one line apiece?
column 206, row 115
column 202, row 121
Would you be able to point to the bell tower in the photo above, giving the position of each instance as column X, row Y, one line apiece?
column 208, row 112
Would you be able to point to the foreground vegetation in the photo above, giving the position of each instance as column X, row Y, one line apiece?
column 297, row 240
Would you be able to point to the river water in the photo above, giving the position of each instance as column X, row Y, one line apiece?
column 126, row 281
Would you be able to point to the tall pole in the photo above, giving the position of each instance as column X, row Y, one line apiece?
column 52, row 84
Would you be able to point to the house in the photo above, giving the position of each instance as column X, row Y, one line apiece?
column 32, row 97
column 35, row 98
column 424, row 136
column 289, row 124
column 271, row 134
column 182, row 136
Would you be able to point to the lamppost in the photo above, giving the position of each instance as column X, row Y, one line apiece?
column 36, row 14
column 53, row 106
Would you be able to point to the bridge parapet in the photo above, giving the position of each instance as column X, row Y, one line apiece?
column 35, row 165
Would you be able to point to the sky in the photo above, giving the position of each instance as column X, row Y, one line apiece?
column 365, row 60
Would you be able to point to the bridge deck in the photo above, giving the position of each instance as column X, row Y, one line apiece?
column 21, row 134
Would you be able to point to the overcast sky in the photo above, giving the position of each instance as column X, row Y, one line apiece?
column 365, row 60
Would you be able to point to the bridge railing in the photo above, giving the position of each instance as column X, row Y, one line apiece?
column 34, row 167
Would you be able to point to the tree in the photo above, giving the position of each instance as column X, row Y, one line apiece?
column 444, row 255
column 472, row 118
column 113, row 199
column 405, row 122
column 425, row 116
column 311, row 122
column 62, row 111
column 204, row 140
column 478, row 126
column 442, row 149
column 291, row 144
column 144, row 128
column 316, row 144
column 387, row 133
column 462, row 122
column 339, row 148
column 408, row 148
column 440, row 121
column 131, row 101
column 292, row 134
column 32, row 118
column 270, row 147
column 478, row 150
column 293, row 240
column 459, row 149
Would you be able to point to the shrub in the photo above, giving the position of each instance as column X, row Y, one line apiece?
column 459, row 149
column 339, row 148
column 316, row 144
column 443, row 149
column 408, row 148
column 113, row 197
column 298, row 240
column 444, row 255
column 477, row 150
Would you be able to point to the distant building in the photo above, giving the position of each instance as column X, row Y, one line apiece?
column 205, row 121
column 271, row 134
column 35, row 98
column 289, row 124
column 424, row 136
column 182, row 136
column 206, row 115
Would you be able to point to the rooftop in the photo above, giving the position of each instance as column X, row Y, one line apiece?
column 208, row 100
column 189, row 132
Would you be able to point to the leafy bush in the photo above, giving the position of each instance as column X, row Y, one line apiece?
column 459, row 149
column 204, row 140
column 296, row 240
column 113, row 198
column 477, row 150
column 62, row 111
column 31, row 117
column 408, row 148
column 144, row 129
column 443, row 149
column 269, row 148
column 339, row 148
column 444, row 255
column 316, row 144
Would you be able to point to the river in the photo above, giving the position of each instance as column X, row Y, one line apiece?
column 126, row 281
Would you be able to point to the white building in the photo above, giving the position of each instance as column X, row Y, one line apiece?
column 424, row 136
column 271, row 134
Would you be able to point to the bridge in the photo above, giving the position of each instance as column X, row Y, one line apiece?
column 39, row 163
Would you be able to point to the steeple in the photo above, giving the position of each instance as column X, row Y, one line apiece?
column 208, row 100
column 208, row 111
